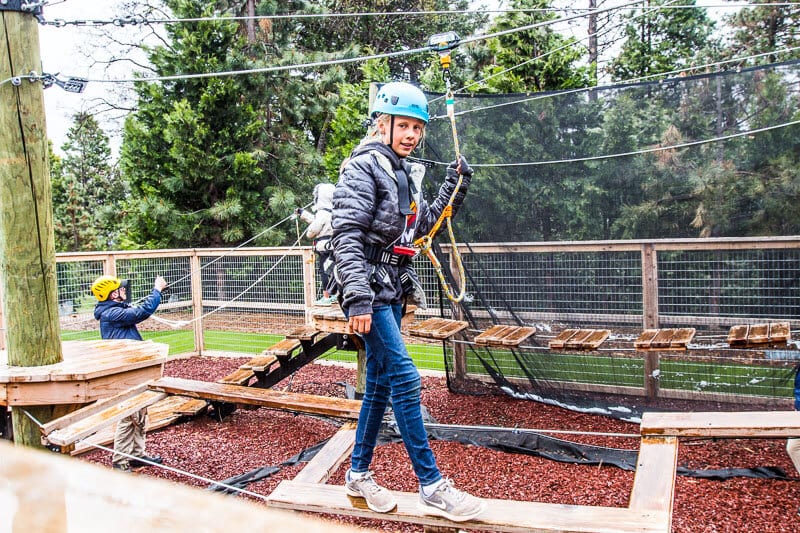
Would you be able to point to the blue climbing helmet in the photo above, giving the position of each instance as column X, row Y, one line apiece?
column 400, row 98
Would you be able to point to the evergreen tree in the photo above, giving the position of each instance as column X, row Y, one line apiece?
column 86, row 190
column 764, row 29
column 661, row 40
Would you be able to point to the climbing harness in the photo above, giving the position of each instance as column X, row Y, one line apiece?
column 444, row 43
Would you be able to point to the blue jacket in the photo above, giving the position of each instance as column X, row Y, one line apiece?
column 118, row 319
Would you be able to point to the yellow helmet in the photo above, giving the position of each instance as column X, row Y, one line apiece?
column 104, row 286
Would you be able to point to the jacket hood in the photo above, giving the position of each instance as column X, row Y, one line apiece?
column 323, row 196
column 381, row 148
column 100, row 307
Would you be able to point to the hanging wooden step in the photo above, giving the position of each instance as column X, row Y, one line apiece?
column 499, row 335
column 579, row 339
column 754, row 334
column 437, row 328
column 664, row 339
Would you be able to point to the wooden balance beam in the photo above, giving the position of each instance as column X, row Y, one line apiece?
column 765, row 424
column 500, row 515
column 52, row 493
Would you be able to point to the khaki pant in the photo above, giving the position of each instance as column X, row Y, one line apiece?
column 129, row 438
column 793, row 449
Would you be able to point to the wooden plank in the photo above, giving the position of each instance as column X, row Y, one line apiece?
column 560, row 341
column 304, row 403
column 520, row 333
column 576, row 341
column 114, row 413
column 283, row 348
column 437, row 328
column 759, row 334
column 738, row 334
column 92, row 409
column 303, row 333
column 662, row 339
column 723, row 424
column 645, row 339
column 240, row 376
column 324, row 464
column 493, row 335
column 597, row 338
column 682, row 337
column 261, row 363
column 780, row 332
column 52, row 493
column 654, row 482
column 71, row 392
column 500, row 515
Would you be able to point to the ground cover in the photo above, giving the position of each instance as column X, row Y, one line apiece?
column 250, row 439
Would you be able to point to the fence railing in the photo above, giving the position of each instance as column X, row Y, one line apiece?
column 234, row 300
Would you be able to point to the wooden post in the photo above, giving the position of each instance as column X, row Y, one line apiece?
column 309, row 284
column 652, row 374
column 649, row 287
column 27, row 249
column 197, row 302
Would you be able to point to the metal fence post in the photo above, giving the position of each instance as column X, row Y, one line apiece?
column 197, row 302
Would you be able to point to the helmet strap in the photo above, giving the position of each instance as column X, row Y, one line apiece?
column 391, row 130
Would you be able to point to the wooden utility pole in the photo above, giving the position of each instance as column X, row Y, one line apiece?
column 27, row 249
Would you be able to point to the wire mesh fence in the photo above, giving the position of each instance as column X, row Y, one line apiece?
column 242, row 301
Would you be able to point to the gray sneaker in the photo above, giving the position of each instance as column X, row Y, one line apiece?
column 378, row 498
column 451, row 503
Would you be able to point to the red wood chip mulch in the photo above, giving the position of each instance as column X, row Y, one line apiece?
column 250, row 439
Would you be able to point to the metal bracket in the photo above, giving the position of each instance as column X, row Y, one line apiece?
column 22, row 6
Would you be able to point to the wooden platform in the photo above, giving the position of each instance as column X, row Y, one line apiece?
column 500, row 335
column 579, row 339
column 331, row 319
column 437, row 328
column 759, row 334
column 90, row 370
column 664, row 339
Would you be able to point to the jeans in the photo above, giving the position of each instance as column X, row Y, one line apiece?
column 391, row 373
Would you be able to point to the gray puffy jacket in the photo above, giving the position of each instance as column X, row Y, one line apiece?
column 366, row 210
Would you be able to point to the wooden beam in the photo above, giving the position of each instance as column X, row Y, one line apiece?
column 304, row 403
column 654, row 482
column 91, row 424
column 500, row 515
column 52, row 493
column 324, row 464
column 723, row 424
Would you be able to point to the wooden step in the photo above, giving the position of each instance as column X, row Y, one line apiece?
column 437, row 328
column 579, row 339
column 262, row 363
column 500, row 515
column 304, row 403
column 500, row 335
column 240, row 376
column 755, row 334
column 284, row 348
column 722, row 424
column 664, row 339
column 304, row 333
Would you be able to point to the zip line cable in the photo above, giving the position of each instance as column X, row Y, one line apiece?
column 340, row 61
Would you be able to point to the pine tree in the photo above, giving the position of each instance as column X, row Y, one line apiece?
column 86, row 191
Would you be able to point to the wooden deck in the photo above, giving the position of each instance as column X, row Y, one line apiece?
column 91, row 370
